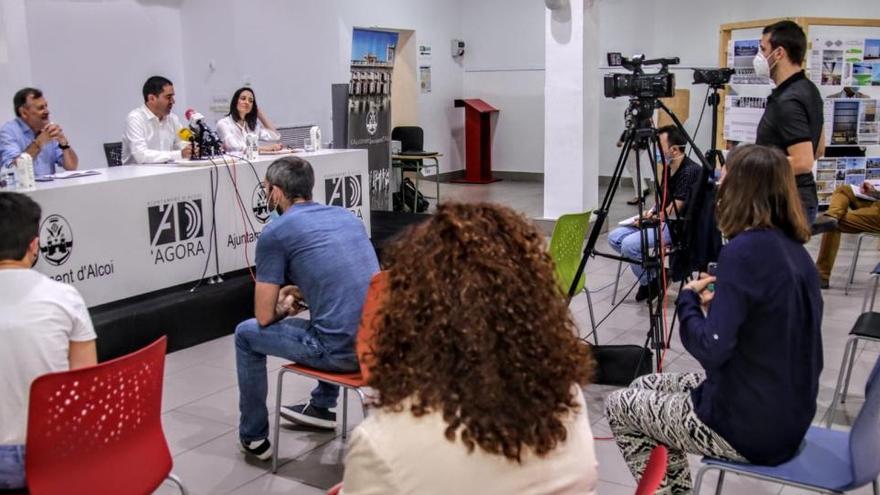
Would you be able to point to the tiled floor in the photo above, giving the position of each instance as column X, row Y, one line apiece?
column 200, row 403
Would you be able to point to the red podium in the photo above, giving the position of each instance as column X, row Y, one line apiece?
column 478, row 142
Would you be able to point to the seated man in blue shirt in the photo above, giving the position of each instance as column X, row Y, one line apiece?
column 325, row 252
column 33, row 133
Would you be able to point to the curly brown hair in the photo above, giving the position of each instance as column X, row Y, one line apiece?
column 477, row 328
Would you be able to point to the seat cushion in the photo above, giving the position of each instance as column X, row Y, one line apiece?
column 867, row 325
column 350, row 380
column 822, row 462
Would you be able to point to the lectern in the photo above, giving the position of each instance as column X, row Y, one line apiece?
column 478, row 141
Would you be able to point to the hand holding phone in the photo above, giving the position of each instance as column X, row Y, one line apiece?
column 711, row 269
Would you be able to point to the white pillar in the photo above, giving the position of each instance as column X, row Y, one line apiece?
column 571, row 108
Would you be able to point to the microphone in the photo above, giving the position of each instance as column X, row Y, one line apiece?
column 185, row 134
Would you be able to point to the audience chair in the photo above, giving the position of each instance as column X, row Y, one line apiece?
column 828, row 461
column 335, row 489
column 655, row 471
column 347, row 381
column 867, row 328
column 566, row 249
column 855, row 259
column 113, row 153
column 98, row 430
column 412, row 157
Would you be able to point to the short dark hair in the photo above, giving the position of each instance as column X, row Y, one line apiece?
column 673, row 135
column 251, row 117
column 790, row 36
column 293, row 175
column 21, row 98
column 19, row 224
column 155, row 85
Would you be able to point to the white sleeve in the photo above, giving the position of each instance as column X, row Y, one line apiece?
column 267, row 134
column 366, row 472
column 72, row 302
column 135, row 136
column 228, row 133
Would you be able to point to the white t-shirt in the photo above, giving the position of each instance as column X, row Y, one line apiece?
column 40, row 317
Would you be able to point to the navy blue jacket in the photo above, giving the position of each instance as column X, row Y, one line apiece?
column 760, row 344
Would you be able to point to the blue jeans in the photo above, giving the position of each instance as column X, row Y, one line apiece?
column 291, row 339
column 627, row 241
column 11, row 467
column 811, row 212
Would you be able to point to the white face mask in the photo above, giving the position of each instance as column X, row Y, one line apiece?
column 761, row 65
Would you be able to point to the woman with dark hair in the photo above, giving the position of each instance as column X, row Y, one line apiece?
column 754, row 328
column 244, row 118
column 476, row 365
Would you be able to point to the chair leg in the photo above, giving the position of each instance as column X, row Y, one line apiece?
column 275, row 434
column 616, row 282
column 363, row 401
column 720, row 482
column 876, row 486
column 344, row 413
column 853, row 264
column 838, row 388
column 592, row 316
column 849, row 367
column 698, row 481
column 416, row 195
column 176, row 480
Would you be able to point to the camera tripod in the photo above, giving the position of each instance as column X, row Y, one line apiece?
column 640, row 134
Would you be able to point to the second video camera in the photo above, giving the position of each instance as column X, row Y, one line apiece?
column 660, row 84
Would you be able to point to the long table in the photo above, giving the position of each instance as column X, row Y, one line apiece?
column 132, row 230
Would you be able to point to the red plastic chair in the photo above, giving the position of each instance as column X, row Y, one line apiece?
column 98, row 430
column 376, row 295
column 655, row 471
column 335, row 489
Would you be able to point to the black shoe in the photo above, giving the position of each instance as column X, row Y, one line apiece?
column 636, row 200
column 261, row 449
column 309, row 415
column 825, row 223
column 823, row 284
column 650, row 291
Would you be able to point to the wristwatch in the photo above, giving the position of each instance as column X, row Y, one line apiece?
column 64, row 146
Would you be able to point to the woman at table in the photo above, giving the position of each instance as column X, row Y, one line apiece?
column 245, row 118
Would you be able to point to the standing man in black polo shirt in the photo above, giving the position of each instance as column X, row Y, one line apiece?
column 793, row 119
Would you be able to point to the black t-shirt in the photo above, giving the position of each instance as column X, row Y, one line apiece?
column 794, row 114
column 682, row 184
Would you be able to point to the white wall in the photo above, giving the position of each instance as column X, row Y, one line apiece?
column 504, row 65
column 91, row 58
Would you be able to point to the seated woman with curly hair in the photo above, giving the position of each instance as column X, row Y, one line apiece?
column 757, row 334
column 477, row 367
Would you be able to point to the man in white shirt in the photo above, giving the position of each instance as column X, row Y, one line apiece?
column 151, row 130
column 45, row 328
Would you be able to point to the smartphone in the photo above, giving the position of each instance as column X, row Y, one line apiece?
column 710, row 269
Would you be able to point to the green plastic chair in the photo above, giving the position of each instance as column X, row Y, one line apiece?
column 566, row 249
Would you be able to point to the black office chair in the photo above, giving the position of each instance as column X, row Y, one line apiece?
column 113, row 153
column 412, row 156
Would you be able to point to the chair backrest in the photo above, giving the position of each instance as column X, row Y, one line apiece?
column 98, row 429
column 566, row 248
column 377, row 294
column 654, row 472
column 864, row 438
column 335, row 489
column 113, row 153
column 412, row 138
column 295, row 136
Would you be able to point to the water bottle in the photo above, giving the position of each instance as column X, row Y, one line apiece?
column 25, row 167
column 251, row 146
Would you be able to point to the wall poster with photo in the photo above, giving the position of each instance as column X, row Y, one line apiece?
column 853, row 62
column 740, row 54
column 832, row 173
column 851, row 121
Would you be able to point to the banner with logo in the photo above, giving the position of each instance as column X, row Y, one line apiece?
column 133, row 230
column 369, row 107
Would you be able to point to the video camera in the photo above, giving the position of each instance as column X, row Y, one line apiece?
column 660, row 84
column 713, row 77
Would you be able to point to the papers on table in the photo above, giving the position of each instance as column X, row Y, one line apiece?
column 70, row 174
